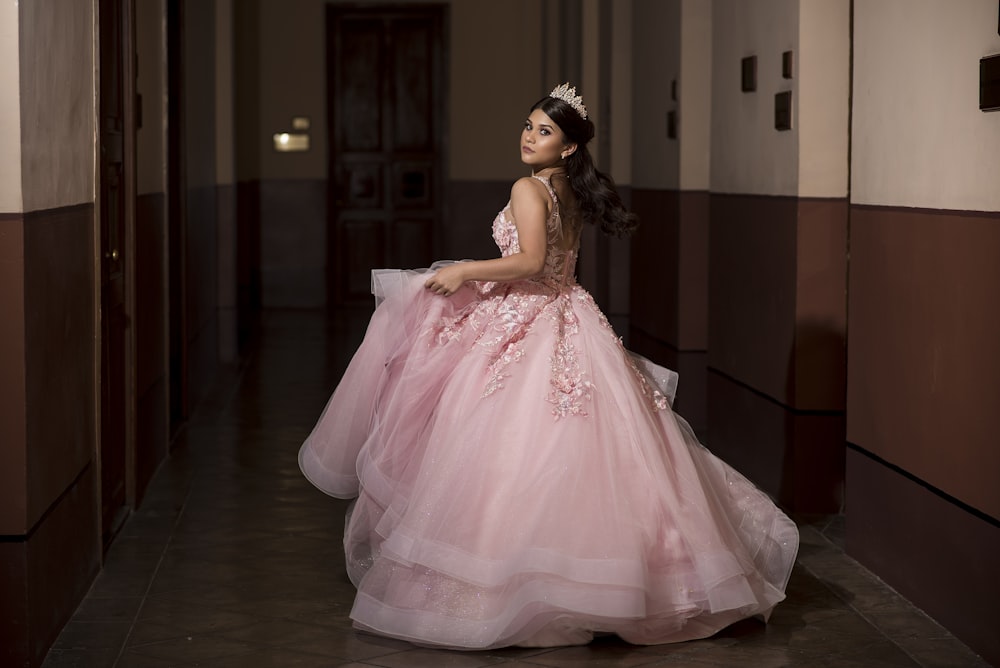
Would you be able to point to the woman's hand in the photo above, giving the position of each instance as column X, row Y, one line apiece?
column 447, row 280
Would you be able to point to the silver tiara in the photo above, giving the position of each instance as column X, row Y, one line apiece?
column 567, row 94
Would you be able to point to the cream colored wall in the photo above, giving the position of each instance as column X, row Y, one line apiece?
column 671, row 41
column 496, row 75
column 919, row 139
column 10, row 111
column 748, row 155
column 292, row 61
column 150, row 38
column 655, row 62
column 695, row 95
column 57, row 103
column 823, row 78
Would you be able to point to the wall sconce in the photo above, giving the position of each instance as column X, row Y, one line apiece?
column 287, row 142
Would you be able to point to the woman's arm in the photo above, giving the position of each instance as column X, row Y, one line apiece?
column 529, row 203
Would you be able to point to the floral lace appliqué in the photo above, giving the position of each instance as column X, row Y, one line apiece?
column 570, row 387
column 657, row 400
column 511, row 322
column 506, row 313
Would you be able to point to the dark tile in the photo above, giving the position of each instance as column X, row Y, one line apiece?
column 942, row 653
column 347, row 644
column 193, row 618
column 89, row 658
column 603, row 652
column 95, row 609
column 429, row 658
column 87, row 635
column 277, row 633
column 272, row 658
column 192, row 649
column 144, row 633
column 130, row 659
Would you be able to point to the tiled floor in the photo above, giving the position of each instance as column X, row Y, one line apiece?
column 234, row 559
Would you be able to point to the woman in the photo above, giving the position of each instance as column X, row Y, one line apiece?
column 520, row 477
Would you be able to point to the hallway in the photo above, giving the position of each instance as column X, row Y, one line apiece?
column 233, row 559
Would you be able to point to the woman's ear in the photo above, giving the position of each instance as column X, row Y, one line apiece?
column 568, row 150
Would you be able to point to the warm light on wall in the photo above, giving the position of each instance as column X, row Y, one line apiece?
column 286, row 142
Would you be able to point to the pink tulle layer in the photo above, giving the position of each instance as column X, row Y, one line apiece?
column 537, row 498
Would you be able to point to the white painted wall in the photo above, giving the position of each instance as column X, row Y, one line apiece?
column 57, row 103
column 10, row 111
column 919, row 139
column 748, row 155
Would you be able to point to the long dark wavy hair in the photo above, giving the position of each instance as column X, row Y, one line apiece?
column 595, row 191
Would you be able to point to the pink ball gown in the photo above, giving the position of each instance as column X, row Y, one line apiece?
column 521, row 480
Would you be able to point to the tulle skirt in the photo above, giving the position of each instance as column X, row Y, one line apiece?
column 520, row 478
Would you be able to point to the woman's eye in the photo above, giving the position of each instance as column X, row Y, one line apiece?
column 545, row 132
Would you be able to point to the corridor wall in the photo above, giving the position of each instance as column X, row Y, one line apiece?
column 923, row 383
column 49, row 535
column 672, row 73
column 778, row 247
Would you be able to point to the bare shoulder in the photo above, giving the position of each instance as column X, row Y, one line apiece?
column 527, row 189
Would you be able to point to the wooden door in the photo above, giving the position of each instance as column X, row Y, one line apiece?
column 113, row 193
column 385, row 97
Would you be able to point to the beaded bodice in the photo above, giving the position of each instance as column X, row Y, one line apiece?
column 560, row 263
column 504, row 315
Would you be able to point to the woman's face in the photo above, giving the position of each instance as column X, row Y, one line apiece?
column 542, row 142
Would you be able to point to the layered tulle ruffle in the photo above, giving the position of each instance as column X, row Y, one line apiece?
column 521, row 479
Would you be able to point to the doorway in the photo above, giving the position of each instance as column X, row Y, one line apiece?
column 385, row 119
column 116, row 192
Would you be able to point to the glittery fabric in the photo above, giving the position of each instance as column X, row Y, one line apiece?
column 521, row 478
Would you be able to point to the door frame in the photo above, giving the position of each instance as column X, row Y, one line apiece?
column 129, row 187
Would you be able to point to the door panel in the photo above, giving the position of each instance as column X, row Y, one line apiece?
column 413, row 114
column 386, row 104
column 412, row 239
column 360, row 107
column 363, row 243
